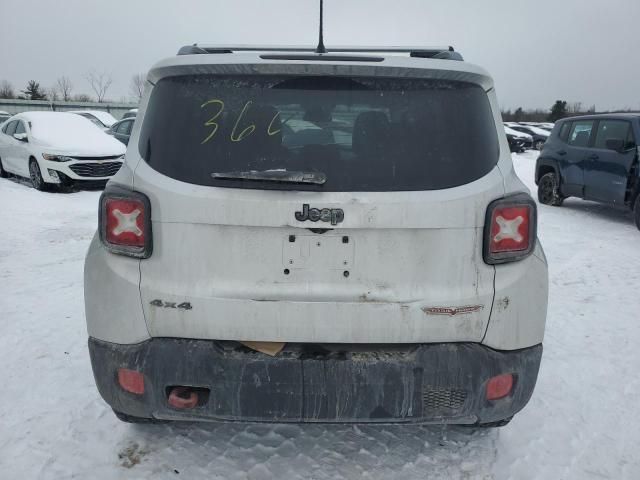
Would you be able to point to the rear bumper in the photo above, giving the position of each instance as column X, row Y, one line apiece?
column 423, row 383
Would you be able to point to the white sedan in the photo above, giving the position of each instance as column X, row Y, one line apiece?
column 54, row 148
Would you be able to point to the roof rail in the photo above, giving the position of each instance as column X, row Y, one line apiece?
column 442, row 53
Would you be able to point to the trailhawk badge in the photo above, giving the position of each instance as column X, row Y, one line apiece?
column 333, row 215
column 452, row 311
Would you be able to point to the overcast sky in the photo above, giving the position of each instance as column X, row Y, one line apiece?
column 537, row 51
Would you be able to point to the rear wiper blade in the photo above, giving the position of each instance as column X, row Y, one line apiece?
column 286, row 176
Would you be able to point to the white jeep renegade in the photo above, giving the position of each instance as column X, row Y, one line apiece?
column 357, row 208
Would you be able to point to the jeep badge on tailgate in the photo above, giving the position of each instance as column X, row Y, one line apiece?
column 333, row 215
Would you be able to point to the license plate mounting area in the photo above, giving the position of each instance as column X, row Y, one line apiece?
column 318, row 252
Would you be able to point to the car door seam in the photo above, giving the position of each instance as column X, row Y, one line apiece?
column 144, row 314
column 493, row 299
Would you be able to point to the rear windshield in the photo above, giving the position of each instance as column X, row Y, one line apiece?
column 359, row 134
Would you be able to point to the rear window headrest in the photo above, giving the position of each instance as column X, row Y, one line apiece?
column 370, row 132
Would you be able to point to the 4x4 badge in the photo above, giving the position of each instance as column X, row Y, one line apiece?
column 163, row 304
column 333, row 215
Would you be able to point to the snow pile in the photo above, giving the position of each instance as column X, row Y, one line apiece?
column 583, row 421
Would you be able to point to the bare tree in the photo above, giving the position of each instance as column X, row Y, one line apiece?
column 64, row 87
column 100, row 83
column 575, row 107
column 137, row 85
column 6, row 90
column 52, row 94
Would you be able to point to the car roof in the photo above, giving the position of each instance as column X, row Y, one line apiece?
column 600, row 116
column 394, row 62
column 447, row 53
column 46, row 116
column 517, row 133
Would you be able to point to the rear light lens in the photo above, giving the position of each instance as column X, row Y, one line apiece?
column 131, row 381
column 499, row 387
column 510, row 229
column 125, row 222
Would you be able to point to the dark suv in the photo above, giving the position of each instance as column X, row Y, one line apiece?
column 594, row 158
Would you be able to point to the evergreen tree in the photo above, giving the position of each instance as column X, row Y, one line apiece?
column 33, row 91
column 558, row 111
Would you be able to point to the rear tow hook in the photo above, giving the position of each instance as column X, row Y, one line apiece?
column 183, row 398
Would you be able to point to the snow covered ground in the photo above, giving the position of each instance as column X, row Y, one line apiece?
column 583, row 421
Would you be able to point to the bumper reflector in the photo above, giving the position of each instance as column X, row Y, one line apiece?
column 131, row 381
column 500, row 386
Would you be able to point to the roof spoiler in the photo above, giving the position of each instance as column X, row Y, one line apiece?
column 444, row 53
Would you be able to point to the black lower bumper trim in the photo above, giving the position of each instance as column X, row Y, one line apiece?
column 87, row 183
column 418, row 383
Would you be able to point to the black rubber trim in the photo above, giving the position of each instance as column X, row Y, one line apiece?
column 323, row 57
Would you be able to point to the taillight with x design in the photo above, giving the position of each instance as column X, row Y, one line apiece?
column 125, row 222
column 510, row 229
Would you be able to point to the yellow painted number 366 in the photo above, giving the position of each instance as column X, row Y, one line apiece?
column 235, row 136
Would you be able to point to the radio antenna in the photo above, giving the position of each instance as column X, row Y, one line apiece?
column 320, row 48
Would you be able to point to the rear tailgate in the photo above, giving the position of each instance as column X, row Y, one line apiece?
column 412, row 258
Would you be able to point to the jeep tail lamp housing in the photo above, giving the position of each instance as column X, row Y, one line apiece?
column 510, row 230
column 124, row 222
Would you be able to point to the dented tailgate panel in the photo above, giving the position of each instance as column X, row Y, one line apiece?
column 401, row 286
column 399, row 268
